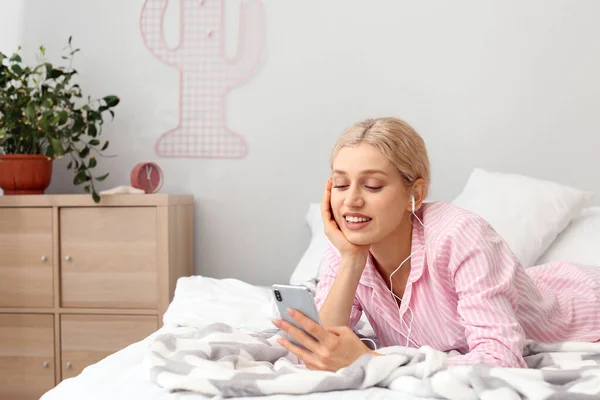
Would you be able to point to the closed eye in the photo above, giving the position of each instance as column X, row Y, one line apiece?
column 374, row 188
column 340, row 186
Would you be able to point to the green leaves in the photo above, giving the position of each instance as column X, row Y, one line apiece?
column 16, row 58
column 63, row 117
column 30, row 110
column 55, row 73
column 101, row 178
column 39, row 115
column 16, row 68
column 83, row 153
column 111, row 101
column 80, row 177
column 57, row 147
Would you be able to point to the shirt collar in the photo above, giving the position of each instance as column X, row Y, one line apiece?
column 371, row 277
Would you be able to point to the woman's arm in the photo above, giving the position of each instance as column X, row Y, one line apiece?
column 484, row 271
column 332, row 345
column 336, row 291
column 336, row 294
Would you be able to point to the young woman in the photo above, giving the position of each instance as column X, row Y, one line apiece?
column 427, row 273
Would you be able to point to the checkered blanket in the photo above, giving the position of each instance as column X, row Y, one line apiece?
column 218, row 360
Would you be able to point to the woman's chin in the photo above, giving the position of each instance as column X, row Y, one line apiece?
column 358, row 239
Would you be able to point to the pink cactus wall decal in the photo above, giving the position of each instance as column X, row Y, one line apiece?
column 206, row 74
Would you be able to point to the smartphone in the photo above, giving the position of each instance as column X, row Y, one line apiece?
column 299, row 298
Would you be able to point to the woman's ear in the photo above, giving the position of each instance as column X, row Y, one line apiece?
column 418, row 194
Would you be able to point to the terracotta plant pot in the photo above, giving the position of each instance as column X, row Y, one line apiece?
column 25, row 173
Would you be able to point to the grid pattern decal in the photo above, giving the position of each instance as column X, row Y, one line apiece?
column 206, row 74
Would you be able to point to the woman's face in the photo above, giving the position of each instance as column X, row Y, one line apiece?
column 369, row 199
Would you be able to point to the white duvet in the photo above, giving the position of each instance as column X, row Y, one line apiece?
column 198, row 302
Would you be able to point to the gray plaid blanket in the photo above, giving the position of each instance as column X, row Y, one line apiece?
column 220, row 361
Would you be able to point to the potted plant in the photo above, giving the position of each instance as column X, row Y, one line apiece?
column 42, row 118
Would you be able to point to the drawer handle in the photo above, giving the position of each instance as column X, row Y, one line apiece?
column 68, row 364
column 44, row 258
column 68, row 258
column 45, row 364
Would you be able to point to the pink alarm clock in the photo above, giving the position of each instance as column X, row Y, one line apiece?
column 147, row 176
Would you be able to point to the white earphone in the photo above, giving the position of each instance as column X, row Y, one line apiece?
column 391, row 290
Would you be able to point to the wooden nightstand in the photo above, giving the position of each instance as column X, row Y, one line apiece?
column 80, row 280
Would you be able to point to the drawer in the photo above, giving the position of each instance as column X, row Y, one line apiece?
column 26, row 257
column 26, row 355
column 87, row 339
column 109, row 257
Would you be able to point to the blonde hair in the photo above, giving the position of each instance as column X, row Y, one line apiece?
column 396, row 140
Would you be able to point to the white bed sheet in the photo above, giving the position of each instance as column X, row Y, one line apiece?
column 198, row 301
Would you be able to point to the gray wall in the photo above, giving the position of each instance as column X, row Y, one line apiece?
column 507, row 85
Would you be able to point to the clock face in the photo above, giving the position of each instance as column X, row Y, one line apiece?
column 147, row 176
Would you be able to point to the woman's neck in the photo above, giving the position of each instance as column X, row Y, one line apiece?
column 392, row 251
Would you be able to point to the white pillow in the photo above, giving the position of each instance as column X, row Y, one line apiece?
column 579, row 242
column 528, row 213
column 307, row 270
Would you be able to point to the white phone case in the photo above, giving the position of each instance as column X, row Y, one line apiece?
column 299, row 298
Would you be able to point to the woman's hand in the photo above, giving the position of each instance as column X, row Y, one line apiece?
column 334, row 348
column 335, row 235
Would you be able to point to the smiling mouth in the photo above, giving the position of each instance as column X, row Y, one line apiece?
column 356, row 220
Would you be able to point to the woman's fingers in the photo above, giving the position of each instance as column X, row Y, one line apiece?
column 318, row 332
column 323, row 336
column 299, row 335
column 326, row 202
column 328, row 220
column 311, row 360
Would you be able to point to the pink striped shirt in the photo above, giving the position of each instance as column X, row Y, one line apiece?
column 469, row 293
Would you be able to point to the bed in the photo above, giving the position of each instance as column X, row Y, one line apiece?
column 549, row 222
column 199, row 301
